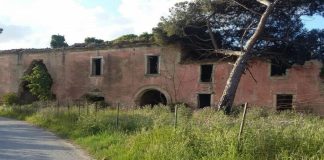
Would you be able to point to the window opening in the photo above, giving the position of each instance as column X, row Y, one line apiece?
column 284, row 101
column 204, row 100
column 206, row 73
column 277, row 68
column 96, row 66
column 152, row 65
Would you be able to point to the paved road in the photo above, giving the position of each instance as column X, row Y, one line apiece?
column 22, row 141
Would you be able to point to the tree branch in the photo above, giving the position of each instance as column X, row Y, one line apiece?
column 212, row 37
column 246, row 8
column 245, row 31
column 252, row 75
column 227, row 99
column 228, row 52
column 261, row 25
column 264, row 2
column 196, row 36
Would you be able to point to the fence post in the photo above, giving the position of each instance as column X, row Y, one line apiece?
column 58, row 107
column 68, row 107
column 175, row 116
column 239, row 147
column 87, row 105
column 79, row 107
column 117, row 115
column 96, row 108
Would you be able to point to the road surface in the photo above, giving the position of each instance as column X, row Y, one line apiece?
column 22, row 141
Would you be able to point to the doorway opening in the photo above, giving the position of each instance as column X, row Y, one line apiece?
column 152, row 97
column 204, row 100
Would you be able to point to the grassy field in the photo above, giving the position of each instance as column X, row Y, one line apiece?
column 149, row 134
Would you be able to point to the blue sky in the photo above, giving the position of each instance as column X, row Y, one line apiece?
column 109, row 5
column 30, row 23
column 313, row 22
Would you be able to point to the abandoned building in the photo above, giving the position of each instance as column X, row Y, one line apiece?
column 142, row 75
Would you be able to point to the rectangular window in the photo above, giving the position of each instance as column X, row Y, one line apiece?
column 204, row 100
column 206, row 72
column 284, row 102
column 152, row 64
column 277, row 68
column 96, row 66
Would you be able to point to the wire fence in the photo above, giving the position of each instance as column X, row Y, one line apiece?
column 121, row 116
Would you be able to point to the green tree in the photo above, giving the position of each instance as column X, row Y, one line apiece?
column 146, row 37
column 93, row 40
column 244, row 28
column 39, row 82
column 126, row 38
column 58, row 41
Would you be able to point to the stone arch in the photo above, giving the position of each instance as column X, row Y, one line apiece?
column 152, row 95
column 94, row 95
column 24, row 94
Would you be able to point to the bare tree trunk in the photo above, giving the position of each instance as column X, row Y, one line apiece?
column 233, row 81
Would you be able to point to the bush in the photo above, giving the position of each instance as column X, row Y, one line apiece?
column 40, row 82
column 95, row 99
column 10, row 99
column 58, row 41
column 149, row 133
column 17, row 112
column 92, row 98
column 132, row 38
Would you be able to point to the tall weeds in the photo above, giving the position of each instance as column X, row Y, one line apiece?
column 148, row 133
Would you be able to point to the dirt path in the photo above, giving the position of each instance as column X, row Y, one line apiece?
column 22, row 141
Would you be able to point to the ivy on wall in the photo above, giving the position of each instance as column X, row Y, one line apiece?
column 39, row 82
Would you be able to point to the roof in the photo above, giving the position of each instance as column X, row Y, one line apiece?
column 76, row 47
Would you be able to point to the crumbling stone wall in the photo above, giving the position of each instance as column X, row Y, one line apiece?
column 123, row 77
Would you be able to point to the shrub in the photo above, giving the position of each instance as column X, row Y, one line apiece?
column 92, row 98
column 126, row 38
column 149, row 133
column 95, row 99
column 10, row 99
column 40, row 82
column 132, row 38
column 93, row 41
column 58, row 41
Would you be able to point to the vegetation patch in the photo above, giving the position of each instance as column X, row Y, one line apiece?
column 10, row 99
column 149, row 133
column 37, row 81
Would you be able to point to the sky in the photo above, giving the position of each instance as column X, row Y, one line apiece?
column 30, row 23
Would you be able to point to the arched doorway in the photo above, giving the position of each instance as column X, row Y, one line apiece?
column 24, row 93
column 151, row 96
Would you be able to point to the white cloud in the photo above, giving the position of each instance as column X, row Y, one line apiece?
column 43, row 18
column 142, row 15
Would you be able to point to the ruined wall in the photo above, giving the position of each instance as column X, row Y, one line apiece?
column 124, row 79
column 302, row 81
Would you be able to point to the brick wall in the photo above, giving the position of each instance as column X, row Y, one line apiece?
column 124, row 79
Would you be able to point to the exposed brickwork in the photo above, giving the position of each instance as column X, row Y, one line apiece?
column 124, row 77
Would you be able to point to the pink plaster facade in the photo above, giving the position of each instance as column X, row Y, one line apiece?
column 123, row 77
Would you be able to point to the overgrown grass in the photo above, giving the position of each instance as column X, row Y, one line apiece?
column 204, row 134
